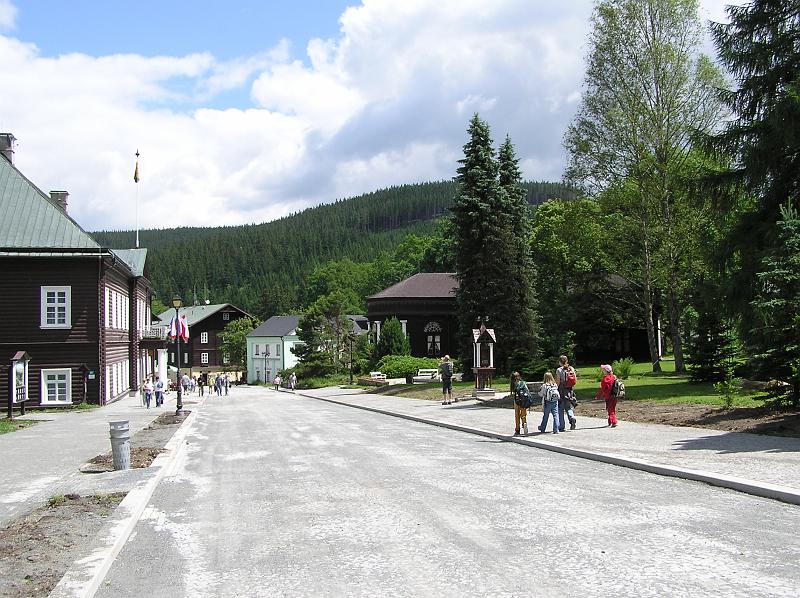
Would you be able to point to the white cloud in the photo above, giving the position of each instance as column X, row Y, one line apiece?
column 8, row 15
column 385, row 102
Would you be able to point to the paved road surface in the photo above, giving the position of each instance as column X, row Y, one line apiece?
column 280, row 495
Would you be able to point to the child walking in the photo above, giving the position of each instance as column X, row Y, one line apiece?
column 521, row 396
column 606, row 384
column 550, row 398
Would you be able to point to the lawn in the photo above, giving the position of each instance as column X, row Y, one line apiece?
column 8, row 425
column 665, row 387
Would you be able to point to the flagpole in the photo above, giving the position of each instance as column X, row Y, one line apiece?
column 136, row 180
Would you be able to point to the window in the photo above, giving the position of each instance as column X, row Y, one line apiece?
column 256, row 350
column 226, row 316
column 204, row 338
column 56, row 307
column 225, row 359
column 56, row 386
column 172, row 356
column 204, row 358
column 186, row 359
column 434, row 345
column 277, row 350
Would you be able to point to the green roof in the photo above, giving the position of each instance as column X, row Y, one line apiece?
column 134, row 258
column 31, row 220
column 194, row 313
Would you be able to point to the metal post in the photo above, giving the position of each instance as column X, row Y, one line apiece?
column 350, row 338
column 179, row 406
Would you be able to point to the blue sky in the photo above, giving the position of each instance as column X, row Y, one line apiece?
column 247, row 111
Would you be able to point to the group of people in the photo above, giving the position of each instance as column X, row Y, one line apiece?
column 153, row 388
column 558, row 398
column 220, row 383
column 277, row 381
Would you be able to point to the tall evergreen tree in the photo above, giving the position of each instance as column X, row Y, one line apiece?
column 759, row 48
column 487, row 248
column 392, row 340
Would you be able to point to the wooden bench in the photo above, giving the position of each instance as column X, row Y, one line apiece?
column 424, row 376
column 377, row 376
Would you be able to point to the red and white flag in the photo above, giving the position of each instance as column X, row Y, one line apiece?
column 184, row 329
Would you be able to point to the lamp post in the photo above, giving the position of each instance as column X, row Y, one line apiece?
column 351, row 337
column 177, row 303
column 266, row 354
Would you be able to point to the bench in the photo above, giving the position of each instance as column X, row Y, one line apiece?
column 424, row 376
column 375, row 379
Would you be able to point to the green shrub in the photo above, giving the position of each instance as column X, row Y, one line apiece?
column 622, row 368
column 727, row 388
column 531, row 368
column 402, row 366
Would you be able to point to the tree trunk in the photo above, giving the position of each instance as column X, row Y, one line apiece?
column 675, row 331
column 647, row 289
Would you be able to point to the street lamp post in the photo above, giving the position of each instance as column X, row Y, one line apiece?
column 177, row 303
column 350, row 338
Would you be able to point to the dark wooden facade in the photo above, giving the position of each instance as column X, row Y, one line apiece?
column 192, row 352
column 103, row 356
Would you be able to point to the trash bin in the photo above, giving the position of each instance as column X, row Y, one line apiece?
column 121, row 444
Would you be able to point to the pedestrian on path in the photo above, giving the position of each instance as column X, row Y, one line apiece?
column 606, row 384
column 567, row 378
column 218, row 385
column 147, row 389
column 522, row 402
column 550, row 400
column 446, row 371
column 292, row 381
column 159, row 388
column 277, row 382
column 227, row 384
column 185, row 383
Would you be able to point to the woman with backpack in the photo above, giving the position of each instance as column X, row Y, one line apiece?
column 567, row 379
column 606, row 392
column 522, row 402
column 550, row 400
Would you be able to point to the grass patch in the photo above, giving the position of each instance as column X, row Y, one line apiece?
column 666, row 387
column 8, row 425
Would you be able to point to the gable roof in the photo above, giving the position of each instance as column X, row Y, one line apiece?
column 277, row 326
column 422, row 285
column 133, row 258
column 197, row 313
column 31, row 220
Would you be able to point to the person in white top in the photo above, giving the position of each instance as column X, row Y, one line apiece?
column 147, row 389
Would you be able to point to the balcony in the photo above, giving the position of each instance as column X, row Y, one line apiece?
column 153, row 333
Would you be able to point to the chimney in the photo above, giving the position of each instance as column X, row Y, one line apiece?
column 60, row 197
column 7, row 146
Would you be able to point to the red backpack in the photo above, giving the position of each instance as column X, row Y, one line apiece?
column 570, row 377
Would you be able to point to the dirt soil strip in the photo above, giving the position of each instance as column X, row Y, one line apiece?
column 85, row 575
column 39, row 547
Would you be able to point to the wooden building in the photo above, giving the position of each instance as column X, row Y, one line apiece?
column 202, row 353
column 425, row 304
column 80, row 311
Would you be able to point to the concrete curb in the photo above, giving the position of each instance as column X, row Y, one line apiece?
column 761, row 489
column 83, row 578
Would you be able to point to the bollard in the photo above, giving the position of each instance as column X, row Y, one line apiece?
column 120, row 444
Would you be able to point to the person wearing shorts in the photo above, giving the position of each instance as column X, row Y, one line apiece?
column 446, row 371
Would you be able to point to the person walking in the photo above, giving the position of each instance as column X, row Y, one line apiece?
column 218, row 385
column 522, row 402
column 566, row 378
column 159, row 388
column 606, row 385
column 292, row 381
column 277, row 382
column 185, row 383
column 550, row 400
column 226, row 383
column 446, row 371
column 202, row 381
column 147, row 389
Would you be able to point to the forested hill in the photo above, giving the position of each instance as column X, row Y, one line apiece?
column 237, row 264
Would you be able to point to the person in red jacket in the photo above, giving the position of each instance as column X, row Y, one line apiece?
column 605, row 392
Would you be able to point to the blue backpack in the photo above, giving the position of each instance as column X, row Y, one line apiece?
column 523, row 396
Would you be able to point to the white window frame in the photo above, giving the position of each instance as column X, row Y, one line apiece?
column 255, row 349
column 204, row 338
column 67, row 307
column 185, row 358
column 226, row 316
column 56, row 372
column 204, row 358
column 278, row 350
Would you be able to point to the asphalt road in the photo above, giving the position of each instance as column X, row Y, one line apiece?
column 280, row 495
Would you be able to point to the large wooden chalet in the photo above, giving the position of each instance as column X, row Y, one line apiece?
column 79, row 312
column 202, row 353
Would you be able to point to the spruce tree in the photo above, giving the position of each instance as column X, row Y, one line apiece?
column 392, row 340
column 486, row 223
